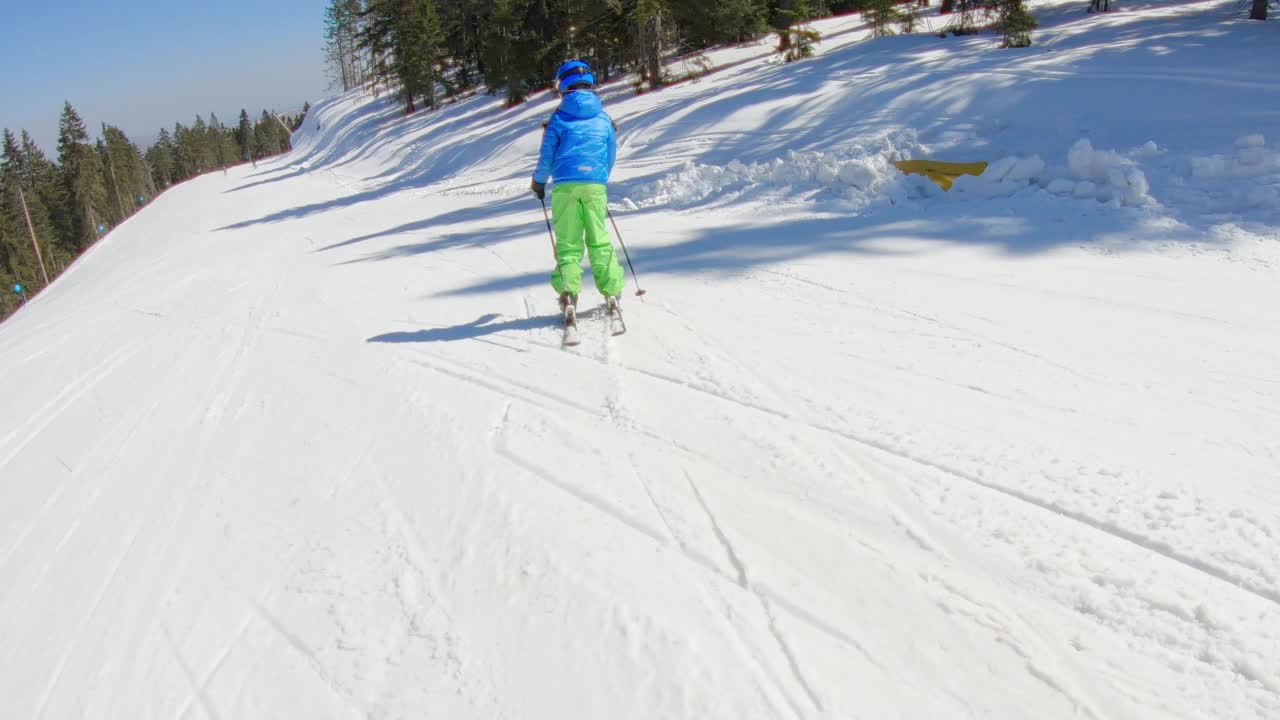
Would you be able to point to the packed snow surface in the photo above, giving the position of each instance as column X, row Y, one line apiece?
column 300, row 441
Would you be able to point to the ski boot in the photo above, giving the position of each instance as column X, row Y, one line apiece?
column 569, row 309
column 617, row 325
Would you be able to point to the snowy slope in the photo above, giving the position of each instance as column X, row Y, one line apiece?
column 300, row 441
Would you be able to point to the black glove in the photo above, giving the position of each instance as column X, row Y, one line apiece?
column 539, row 189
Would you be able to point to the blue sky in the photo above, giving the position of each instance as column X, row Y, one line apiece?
column 142, row 64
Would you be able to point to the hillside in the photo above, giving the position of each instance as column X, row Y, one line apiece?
column 300, row 441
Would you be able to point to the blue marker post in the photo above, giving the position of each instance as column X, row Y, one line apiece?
column 20, row 291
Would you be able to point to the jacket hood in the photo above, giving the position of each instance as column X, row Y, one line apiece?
column 581, row 104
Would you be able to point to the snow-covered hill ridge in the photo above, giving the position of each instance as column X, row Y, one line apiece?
column 301, row 441
column 1116, row 108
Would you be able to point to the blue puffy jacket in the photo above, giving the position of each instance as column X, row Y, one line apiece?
column 579, row 143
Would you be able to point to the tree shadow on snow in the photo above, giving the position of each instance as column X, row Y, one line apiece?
column 831, row 102
column 446, row 146
column 495, row 210
column 734, row 250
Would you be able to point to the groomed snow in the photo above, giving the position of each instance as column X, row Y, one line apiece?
column 299, row 441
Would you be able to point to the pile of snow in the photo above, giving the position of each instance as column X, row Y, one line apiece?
column 1003, row 178
column 866, row 177
column 855, row 178
column 862, row 178
column 1252, row 158
column 1251, row 161
column 1241, row 182
column 1104, row 175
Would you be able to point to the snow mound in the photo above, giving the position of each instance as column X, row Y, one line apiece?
column 1243, row 183
column 1252, row 158
column 1105, row 175
column 1003, row 178
column 855, row 178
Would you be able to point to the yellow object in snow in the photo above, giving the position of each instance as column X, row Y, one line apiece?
column 943, row 173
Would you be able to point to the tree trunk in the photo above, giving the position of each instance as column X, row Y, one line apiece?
column 1259, row 11
column 343, row 66
column 654, row 50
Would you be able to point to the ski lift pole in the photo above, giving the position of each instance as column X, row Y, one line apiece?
column 277, row 117
column 639, row 291
column 34, row 243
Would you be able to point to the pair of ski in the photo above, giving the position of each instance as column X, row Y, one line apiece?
column 617, row 325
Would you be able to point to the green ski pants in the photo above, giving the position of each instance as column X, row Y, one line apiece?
column 579, row 211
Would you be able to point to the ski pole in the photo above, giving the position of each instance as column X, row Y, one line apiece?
column 554, row 255
column 639, row 292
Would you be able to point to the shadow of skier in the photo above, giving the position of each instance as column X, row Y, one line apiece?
column 473, row 330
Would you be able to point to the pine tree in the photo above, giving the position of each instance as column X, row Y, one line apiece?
column 184, row 154
column 648, row 18
column 374, row 41
column 703, row 24
column 738, row 20
column 376, row 38
column 342, row 51
column 794, row 42
column 267, row 135
column 20, row 201
column 909, row 18
column 117, row 210
column 218, row 155
column 44, row 179
column 17, row 260
column 244, row 136
column 406, row 38
column 414, row 47
column 128, row 175
column 507, row 51
column 418, row 52
column 881, row 14
column 11, row 157
column 9, row 246
column 464, row 23
column 603, row 39
column 160, row 158
column 1258, row 11
column 201, row 146
column 226, row 148
column 1015, row 23
column 966, row 22
column 11, row 216
column 82, row 173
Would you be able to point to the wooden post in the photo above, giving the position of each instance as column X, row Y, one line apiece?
column 30, row 228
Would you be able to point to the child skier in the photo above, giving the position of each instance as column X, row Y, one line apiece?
column 579, row 146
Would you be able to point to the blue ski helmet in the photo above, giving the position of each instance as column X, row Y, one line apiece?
column 572, row 73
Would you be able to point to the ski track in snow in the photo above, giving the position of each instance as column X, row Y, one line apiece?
column 302, row 440
column 1112, row 531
